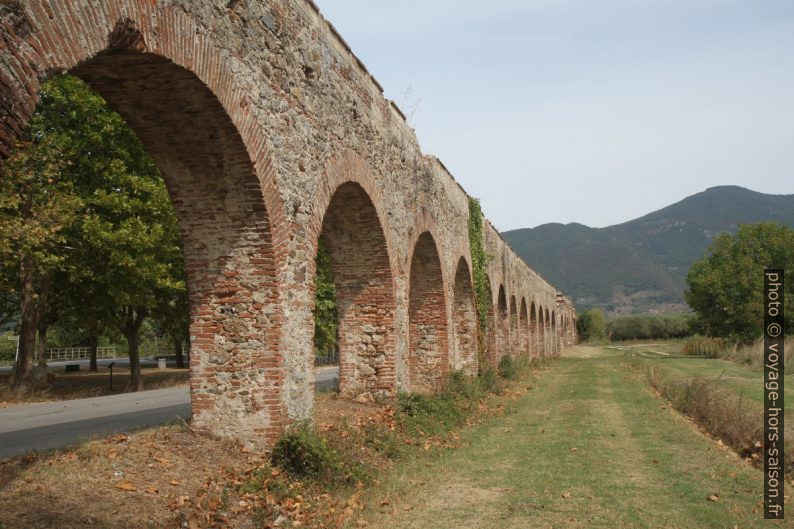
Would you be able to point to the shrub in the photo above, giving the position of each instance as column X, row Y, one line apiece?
column 487, row 380
column 303, row 453
column 507, row 368
column 591, row 325
column 650, row 326
column 429, row 414
column 707, row 346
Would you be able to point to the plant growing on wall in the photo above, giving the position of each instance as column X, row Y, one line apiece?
column 479, row 262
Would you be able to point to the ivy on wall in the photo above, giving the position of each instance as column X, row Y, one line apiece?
column 479, row 262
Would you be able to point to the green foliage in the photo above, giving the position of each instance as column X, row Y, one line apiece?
column 726, row 285
column 126, row 245
column 507, row 368
column 479, row 261
column 326, row 312
column 487, row 379
column 591, row 325
column 429, row 414
column 650, row 327
column 447, row 408
column 8, row 348
column 86, row 205
column 303, row 453
column 708, row 346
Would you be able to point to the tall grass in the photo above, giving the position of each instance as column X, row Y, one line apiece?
column 726, row 349
column 722, row 413
column 708, row 346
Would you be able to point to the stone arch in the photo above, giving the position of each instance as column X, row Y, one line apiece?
column 523, row 328
column 503, row 325
column 427, row 317
column 514, row 332
column 464, row 319
column 156, row 69
column 555, row 337
column 541, row 331
column 353, row 236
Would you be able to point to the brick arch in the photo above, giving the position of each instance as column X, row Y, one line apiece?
column 157, row 70
column 523, row 328
column 514, row 332
column 534, row 342
column 344, row 167
column 352, row 232
column 502, row 324
column 464, row 320
column 428, row 360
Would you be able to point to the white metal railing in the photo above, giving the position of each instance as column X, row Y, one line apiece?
column 77, row 353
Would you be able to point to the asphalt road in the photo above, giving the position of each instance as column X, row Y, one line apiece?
column 51, row 425
column 101, row 362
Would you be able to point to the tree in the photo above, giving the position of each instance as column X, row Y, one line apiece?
column 37, row 203
column 326, row 316
column 725, row 287
column 172, row 319
column 126, row 248
column 591, row 325
column 114, row 243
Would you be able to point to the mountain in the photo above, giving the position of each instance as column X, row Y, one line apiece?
column 641, row 265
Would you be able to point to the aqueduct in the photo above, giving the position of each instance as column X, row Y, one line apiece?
column 270, row 133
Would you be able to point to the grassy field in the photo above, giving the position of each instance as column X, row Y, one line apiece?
column 583, row 442
column 590, row 446
column 666, row 356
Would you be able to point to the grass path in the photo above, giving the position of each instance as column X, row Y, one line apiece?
column 589, row 446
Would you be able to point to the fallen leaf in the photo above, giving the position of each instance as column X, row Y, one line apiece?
column 151, row 490
column 125, row 485
column 574, row 449
column 566, row 495
column 713, row 497
column 174, row 482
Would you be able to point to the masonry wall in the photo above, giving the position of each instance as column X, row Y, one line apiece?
column 297, row 116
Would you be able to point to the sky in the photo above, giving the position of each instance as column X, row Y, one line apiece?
column 587, row 111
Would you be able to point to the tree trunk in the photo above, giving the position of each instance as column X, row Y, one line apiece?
column 23, row 377
column 132, row 327
column 43, row 323
column 180, row 359
column 93, row 343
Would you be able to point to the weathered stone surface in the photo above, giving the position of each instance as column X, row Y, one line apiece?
column 270, row 133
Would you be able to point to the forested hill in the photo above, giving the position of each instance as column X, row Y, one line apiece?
column 641, row 265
